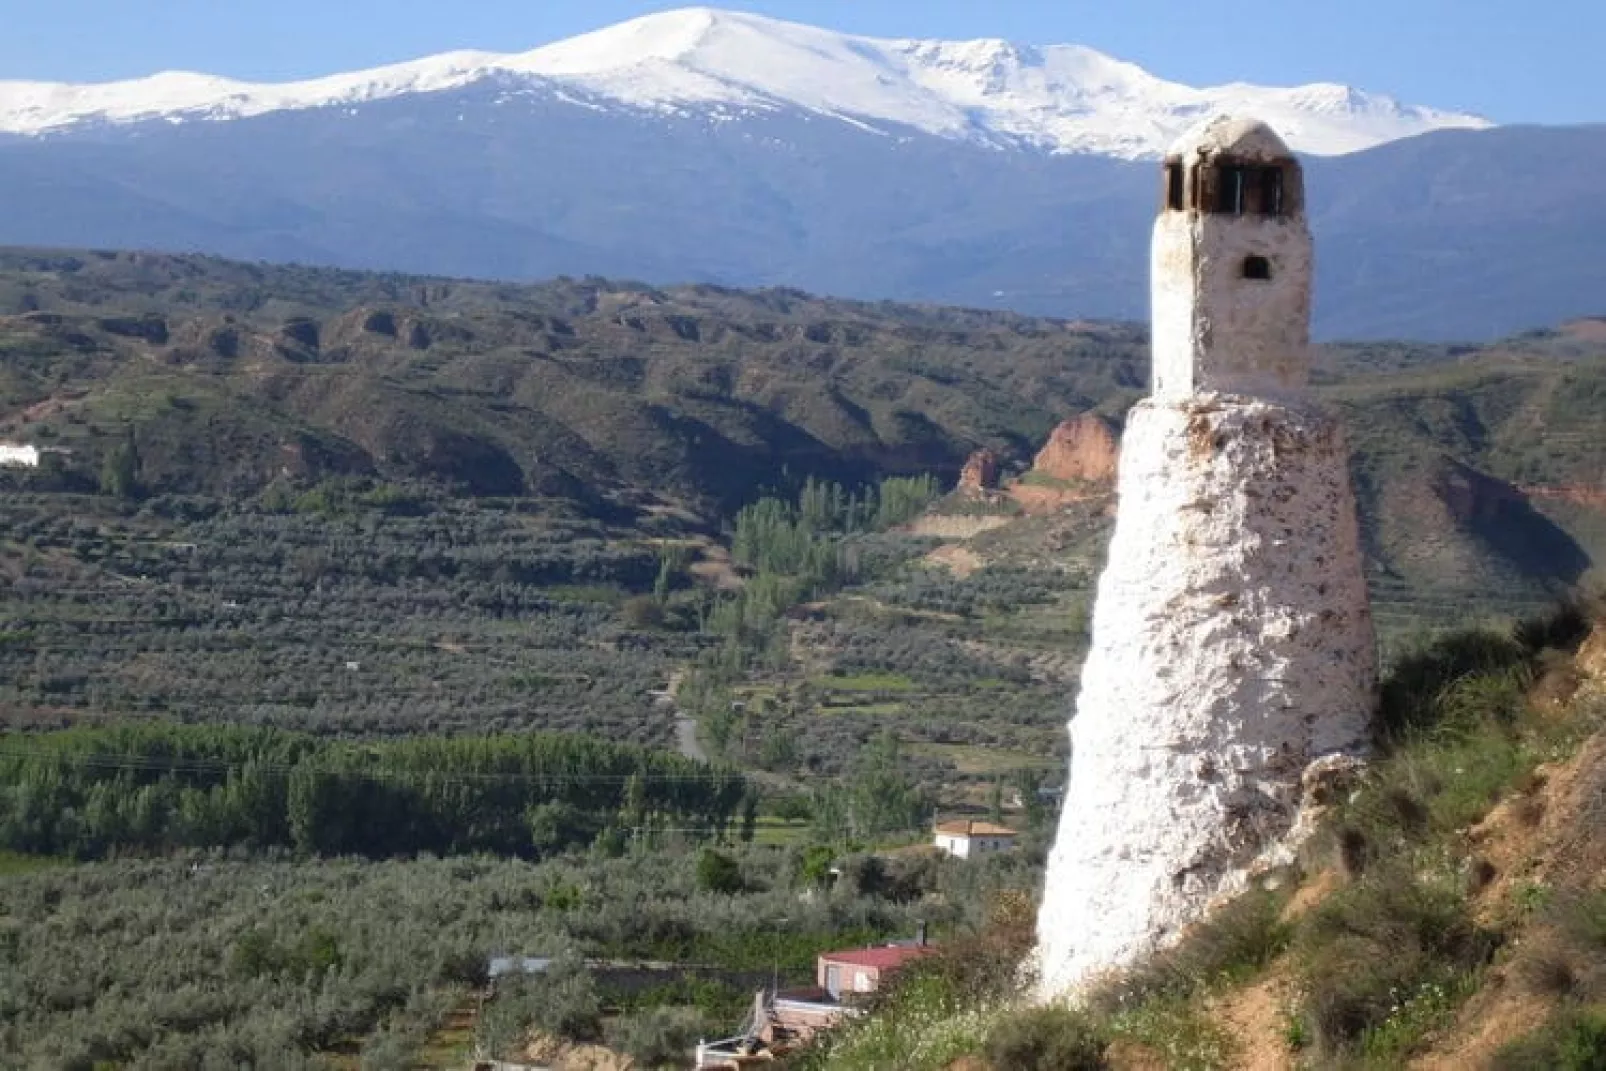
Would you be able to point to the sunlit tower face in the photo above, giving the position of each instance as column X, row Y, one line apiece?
column 1231, row 266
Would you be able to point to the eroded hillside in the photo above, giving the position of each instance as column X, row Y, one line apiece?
column 1480, row 470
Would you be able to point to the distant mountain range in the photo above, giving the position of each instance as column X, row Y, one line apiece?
column 723, row 66
column 701, row 145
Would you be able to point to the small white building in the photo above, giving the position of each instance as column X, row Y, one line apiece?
column 19, row 455
column 966, row 838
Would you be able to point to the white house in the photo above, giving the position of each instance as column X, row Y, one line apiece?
column 22, row 456
column 966, row 838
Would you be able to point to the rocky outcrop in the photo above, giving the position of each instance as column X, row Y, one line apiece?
column 1083, row 449
column 1591, row 659
column 1076, row 464
column 980, row 474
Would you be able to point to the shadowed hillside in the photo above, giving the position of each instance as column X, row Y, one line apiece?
column 229, row 375
column 1481, row 471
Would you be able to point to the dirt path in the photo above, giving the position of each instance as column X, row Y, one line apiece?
column 686, row 741
column 1254, row 1017
column 686, row 738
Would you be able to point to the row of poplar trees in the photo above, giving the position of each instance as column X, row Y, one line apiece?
column 88, row 793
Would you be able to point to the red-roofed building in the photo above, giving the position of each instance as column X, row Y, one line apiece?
column 862, row 970
column 967, row 838
column 782, row 1021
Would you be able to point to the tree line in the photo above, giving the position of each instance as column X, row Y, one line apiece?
column 805, row 547
column 93, row 792
column 797, row 549
column 797, row 538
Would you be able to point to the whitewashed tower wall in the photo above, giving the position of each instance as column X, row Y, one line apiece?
column 1214, row 328
column 1231, row 675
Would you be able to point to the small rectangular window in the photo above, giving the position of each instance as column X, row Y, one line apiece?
column 1175, row 187
column 1230, row 191
column 1271, row 191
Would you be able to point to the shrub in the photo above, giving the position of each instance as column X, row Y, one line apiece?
column 983, row 967
column 718, row 872
column 1563, row 627
column 1546, row 969
column 1409, row 700
column 642, row 612
column 558, row 825
column 814, row 866
column 1392, row 943
column 1243, row 935
column 1582, row 920
column 1469, row 742
column 568, row 1005
column 1567, row 958
column 562, row 1002
column 1052, row 1038
column 656, row 1037
column 389, row 1051
column 1239, row 938
column 1576, row 1043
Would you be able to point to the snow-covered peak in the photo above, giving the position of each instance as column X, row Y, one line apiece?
column 670, row 36
column 1061, row 98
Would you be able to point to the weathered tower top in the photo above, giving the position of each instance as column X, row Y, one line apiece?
column 1231, row 266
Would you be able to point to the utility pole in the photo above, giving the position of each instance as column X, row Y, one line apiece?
column 775, row 959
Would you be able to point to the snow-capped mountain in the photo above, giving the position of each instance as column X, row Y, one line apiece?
column 701, row 145
column 1063, row 99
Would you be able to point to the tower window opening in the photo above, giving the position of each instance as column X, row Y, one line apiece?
column 1175, row 187
column 1271, row 191
column 1257, row 268
column 1230, row 191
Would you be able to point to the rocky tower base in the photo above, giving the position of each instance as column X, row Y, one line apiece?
column 1233, row 664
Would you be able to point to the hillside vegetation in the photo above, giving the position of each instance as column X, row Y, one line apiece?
column 1450, row 913
column 190, row 960
column 232, row 375
column 92, row 793
column 361, row 534
column 373, row 504
column 228, row 378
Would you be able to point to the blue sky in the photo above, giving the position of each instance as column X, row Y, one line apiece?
column 1514, row 62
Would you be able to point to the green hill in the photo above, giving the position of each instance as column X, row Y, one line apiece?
column 229, row 375
column 367, row 506
column 458, row 487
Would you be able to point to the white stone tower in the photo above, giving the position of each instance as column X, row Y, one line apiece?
column 1233, row 663
column 1230, row 267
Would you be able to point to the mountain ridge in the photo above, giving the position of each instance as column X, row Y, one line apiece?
column 1474, row 467
column 1056, row 98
